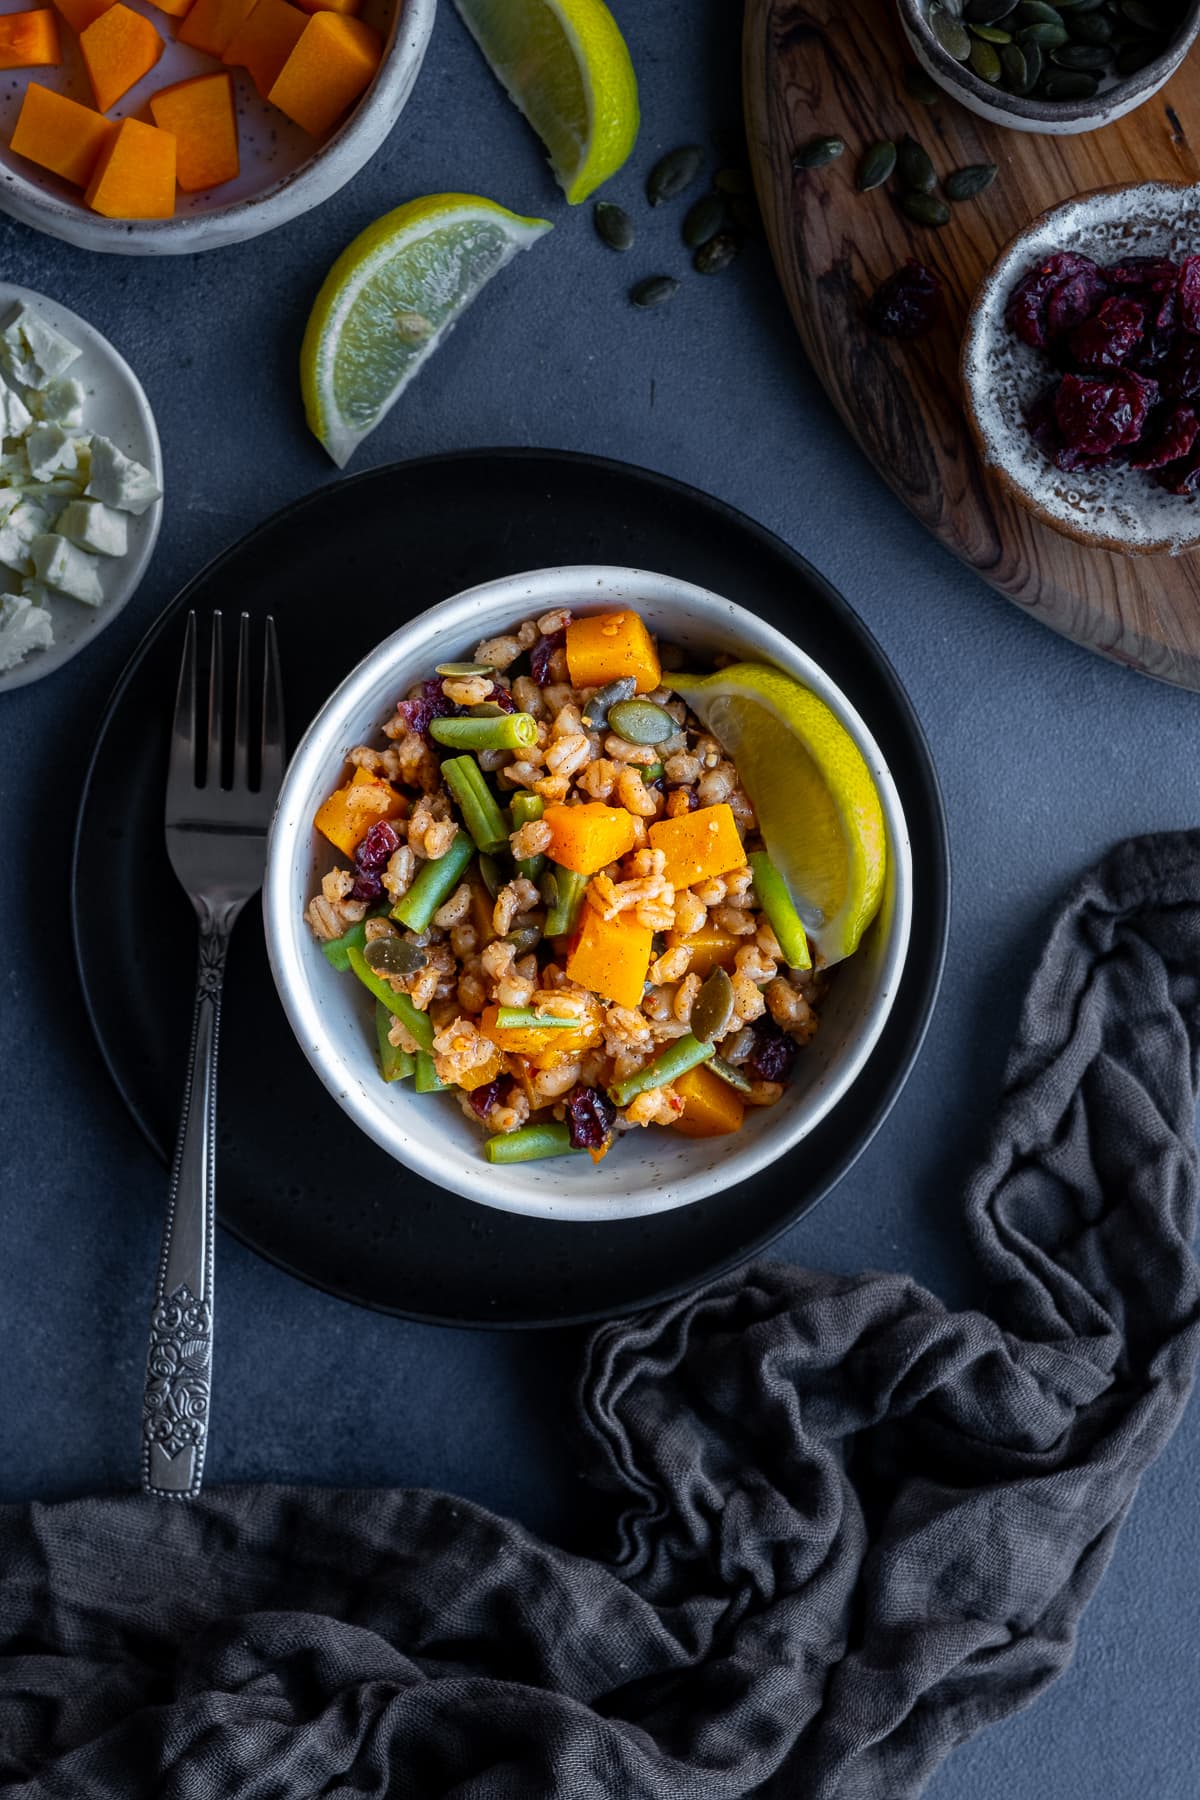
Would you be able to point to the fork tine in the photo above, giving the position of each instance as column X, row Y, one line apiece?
column 181, row 766
column 272, row 716
column 212, row 773
column 241, row 732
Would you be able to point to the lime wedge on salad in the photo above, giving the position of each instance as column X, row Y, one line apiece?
column 389, row 301
column 817, row 806
column 565, row 65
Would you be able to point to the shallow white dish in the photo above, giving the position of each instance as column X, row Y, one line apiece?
column 646, row 1172
column 284, row 173
column 1117, row 509
column 116, row 407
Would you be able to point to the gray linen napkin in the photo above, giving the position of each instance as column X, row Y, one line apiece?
column 852, row 1528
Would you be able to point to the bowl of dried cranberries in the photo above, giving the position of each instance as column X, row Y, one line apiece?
column 1081, row 368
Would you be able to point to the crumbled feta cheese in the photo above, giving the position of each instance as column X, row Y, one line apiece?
column 59, row 403
column 15, row 416
column 23, row 627
column 118, row 480
column 58, row 563
column 25, row 522
column 51, row 452
column 32, row 352
column 94, row 526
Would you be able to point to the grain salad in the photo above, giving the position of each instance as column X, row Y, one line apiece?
column 552, row 881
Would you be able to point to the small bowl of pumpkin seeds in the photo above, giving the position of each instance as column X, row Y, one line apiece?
column 1054, row 66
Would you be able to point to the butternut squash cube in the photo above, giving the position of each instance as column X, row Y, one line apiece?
column 612, row 956
column 118, row 49
column 337, row 6
column 333, row 62
column 698, row 845
column 608, row 647
column 711, row 1108
column 347, row 816
column 552, row 1041
column 29, row 40
column 176, row 8
column 59, row 134
column 200, row 114
column 711, row 948
column 210, row 24
column 135, row 176
column 264, row 40
column 79, row 14
column 589, row 837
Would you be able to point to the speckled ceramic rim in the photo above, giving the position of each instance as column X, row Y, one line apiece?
column 334, row 164
column 1049, row 116
column 1002, row 273
column 657, row 1172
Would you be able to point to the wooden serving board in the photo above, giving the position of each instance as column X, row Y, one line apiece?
column 835, row 68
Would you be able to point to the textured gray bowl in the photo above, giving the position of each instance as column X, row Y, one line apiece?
column 1054, row 118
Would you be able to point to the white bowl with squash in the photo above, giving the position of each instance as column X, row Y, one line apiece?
column 192, row 124
column 511, row 1155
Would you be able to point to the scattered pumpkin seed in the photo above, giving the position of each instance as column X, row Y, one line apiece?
column 964, row 184
column 1069, row 86
column 915, row 168
column 641, row 722
column 923, row 88
column 656, row 290
column 394, row 956
column 712, row 1009
column 596, row 712
column 674, row 172
column 1087, row 57
column 950, row 33
column 727, row 1073
column 613, row 225
column 1049, row 37
column 987, row 12
column 733, row 181
column 460, row 671
column 875, row 165
column 990, row 34
column 717, row 254
column 703, row 220
column 817, row 153
column 985, row 60
column 925, row 209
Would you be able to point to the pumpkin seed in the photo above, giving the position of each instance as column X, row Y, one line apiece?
column 733, row 181
column 1036, row 12
column 524, row 939
column 1069, row 86
column 613, row 225
column 1144, row 18
column 595, row 713
column 712, row 1009
column 950, row 33
column 1081, row 56
column 987, row 12
column 1091, row 28
column 876, row 165
column 717, row 254
column 394, row 956
column 1035, row 63
column 964, row 184
column 1135, row 57
column 727, row 1073
column 1073, row 8
column 1049, row 37
column 460, row 671
column 641, row 722
column 923, row 88
column 703, row 219
column 818, row 152
column 1015, row 69
column 990, row 34
column 915, row 168
column 985, row 60
column 674, row 172
column 493, row 874
column 656, row 290
column 925, row 209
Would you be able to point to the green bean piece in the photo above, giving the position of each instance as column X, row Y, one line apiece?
column 399, row 1005
column 435, row 882
column 503, row 731
column 523, row 1018
column 493, row 874
column 652, row 772
column 428, row 1081
column 782, row 916
column 525, row 809
column 675, row 1060
column 336, row 951
column 569, row 889
column 394, row 1064
column 530, row 1143
column 476, row 802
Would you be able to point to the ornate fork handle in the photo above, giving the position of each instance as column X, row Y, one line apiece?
column 175, row 1402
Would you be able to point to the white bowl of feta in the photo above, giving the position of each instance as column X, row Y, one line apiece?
column 81, row 484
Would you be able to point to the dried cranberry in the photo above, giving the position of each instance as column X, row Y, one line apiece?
column 1156, row 272
column 1070, row 461
column 503, row 698
column 1110, row 336
column 429, row 704
column 1173, row 438
column 367, row 886
column 539, row 656
column 1182, row 477
column 1029, row 301
column 1041, row 422
column 590, row 1115
column 907, row 304
column 377, row 848
column 1189, row 295
column 773, row 1054
column 484, row 1098
column 1073, row 301
column 1151, row 355
column 1181, row 371
column 1095, row 416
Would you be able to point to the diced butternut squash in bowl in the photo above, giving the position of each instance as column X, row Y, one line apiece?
column 210, row 24
column 612, row 956
column 604, row 647
column 177, row 9
column 200, row 115
column 333, row 63
column 118, row 49
column 79, row 14
column 711, row 948
column 135, row 176
column 336, row 6
column 60, row 135
column 698, row 845
column 264, row 41
column 347, row 816
column 29, row 40
column 589, row 837
column 711, row 1108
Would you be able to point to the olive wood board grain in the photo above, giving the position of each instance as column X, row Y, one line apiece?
column 835, row 68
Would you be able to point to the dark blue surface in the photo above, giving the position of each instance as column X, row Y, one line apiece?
column 1046, row 757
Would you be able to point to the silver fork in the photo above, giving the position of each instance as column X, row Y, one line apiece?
column 216, row 840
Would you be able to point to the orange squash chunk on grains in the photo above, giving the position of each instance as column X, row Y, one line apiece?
column 347, row 816
column 29, row 40
column 589, row 837
column 333, row 62
column 612, row 956
column 135, row 176
column 210, row 25
column 608, row 647
column 60, row 135
column 264, row 41
column 118, row 49
column 201, row 117
column 711, row 1108
column 698, row 845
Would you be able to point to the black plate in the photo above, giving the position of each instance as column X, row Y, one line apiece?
column 298, row 1182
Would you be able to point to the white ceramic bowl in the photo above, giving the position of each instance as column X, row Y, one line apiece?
column 1116, row 508
column 647, row 1171
column 283, row 173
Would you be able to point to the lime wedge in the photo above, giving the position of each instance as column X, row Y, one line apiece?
column 566, row 66
column 817, row 807
column 389, row 300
